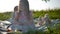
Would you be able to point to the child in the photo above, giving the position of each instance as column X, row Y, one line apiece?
column 16, row 24
column 16, row 15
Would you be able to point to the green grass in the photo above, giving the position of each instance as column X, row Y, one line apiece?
column 54, row 30
column 53, row 14
column 5, row 16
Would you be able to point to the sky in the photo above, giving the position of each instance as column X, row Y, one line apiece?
column 8, row 5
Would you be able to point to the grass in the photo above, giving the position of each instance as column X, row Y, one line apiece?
column 53, row 14
column 5, row 16
column 54, row 30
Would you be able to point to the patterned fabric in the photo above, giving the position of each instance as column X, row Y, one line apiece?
column 16, row 27
column 22, row 17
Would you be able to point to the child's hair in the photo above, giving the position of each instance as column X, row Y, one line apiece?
column 16, row 15
column 16, row 8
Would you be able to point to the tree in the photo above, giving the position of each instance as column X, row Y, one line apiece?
column 45, row 0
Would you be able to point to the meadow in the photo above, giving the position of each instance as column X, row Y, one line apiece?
column 54, row 30
column 53, row 14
